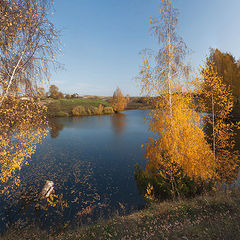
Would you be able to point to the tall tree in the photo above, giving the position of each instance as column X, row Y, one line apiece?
column 28, row 44
column 217, row 99
column 180, row 144
column 53, row 91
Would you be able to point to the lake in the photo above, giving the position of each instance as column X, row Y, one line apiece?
column 91, row 162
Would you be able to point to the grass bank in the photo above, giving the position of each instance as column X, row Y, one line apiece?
column 88, row 106
column 215, row 216
column 64, row 107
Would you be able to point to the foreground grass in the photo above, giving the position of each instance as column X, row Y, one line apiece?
column 215, row 216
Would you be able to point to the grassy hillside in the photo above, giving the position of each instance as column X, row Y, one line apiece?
column 64, row 107
column 215, row 216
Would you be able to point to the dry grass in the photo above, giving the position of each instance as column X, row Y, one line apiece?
column 79, row 111
column 108, row 110
column 215, row 216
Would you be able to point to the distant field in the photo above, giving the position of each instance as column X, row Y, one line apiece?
column 82, row 101
column 64, row 107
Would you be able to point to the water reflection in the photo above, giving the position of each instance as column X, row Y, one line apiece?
column 91, row 162
column 55, row 127
column 119, row 122
column 91, row 169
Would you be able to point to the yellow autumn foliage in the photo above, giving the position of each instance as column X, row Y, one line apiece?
column 179, row 145
column 181, row 141
column 22, row 126
column 216, row 99
column 119, row 102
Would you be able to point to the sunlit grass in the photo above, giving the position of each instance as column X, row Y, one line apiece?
column 215, row 216
column 84, row 101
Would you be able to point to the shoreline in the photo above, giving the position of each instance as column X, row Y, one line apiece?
column 211, row 216
column 87, row 106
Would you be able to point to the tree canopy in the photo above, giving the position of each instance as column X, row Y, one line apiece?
column 119, row 102
column 228, row 68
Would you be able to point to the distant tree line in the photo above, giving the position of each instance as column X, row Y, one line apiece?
column 54, row 93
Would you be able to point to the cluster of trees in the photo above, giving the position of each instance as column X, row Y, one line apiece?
column 229, row 69
column 182, row 158
column 54, row 93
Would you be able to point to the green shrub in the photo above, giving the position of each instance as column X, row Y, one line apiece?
column 162, row 187
column 79, row 111
column 61, row 114
column 108, row 110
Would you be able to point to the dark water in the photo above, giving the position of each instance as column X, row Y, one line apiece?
column 91, row 162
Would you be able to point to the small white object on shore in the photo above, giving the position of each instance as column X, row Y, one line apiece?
column 47, row 189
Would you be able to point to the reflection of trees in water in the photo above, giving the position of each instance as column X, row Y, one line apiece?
column 118, row 122
column 22, row 127
column 55, row 127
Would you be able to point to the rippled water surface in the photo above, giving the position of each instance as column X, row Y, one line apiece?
column 91, row 162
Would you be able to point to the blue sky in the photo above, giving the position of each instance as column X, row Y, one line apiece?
column 102, row 39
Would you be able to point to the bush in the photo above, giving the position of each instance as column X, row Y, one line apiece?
column 79, row 111
column 97, row 110
column 162, row 188
column 108, row 110
column 68, row 96
column 61, row 114
column 100, row 108
column 89, row 112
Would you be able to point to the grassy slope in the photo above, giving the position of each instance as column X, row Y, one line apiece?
column 206, row 217
column 63, row 107
column 66, row 105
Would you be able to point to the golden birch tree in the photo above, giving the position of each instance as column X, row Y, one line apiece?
column 22, row 126
column 217, row 99
column 180, row 145
column 28, row 44
column 119, row 102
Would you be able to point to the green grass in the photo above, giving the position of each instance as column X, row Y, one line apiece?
column 84, row 101
column 64, row 106
column 215, row 216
